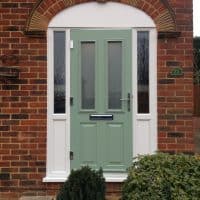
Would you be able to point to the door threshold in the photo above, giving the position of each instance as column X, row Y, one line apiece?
column 109, row 177
column 115, row 177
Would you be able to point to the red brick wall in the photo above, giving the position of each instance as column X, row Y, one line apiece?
column 175, row 95
column 196, row 121
column 23, row 100
column 197, row 100
column 22, row 103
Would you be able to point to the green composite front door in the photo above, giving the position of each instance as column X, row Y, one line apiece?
column 101, row 106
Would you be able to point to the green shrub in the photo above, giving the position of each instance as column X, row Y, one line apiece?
column 163, row 177
column 83, row 184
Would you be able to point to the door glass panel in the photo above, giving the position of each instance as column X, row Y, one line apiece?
column 114, row 74
column 87, row 75
column 59, row 72
column 143, row 71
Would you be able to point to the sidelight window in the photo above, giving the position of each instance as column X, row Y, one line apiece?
column 143, row 71
column 59, row 72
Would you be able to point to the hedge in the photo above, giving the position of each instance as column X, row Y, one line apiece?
column 83, row 184
column 163, row 177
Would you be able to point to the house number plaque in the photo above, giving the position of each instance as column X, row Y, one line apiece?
column 178, row 71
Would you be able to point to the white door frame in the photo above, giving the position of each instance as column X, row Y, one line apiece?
column 58, row 125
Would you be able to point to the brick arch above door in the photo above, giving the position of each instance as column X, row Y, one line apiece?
column 159, row 10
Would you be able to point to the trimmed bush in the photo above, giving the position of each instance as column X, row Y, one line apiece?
column 83, row 184
column 163, row 177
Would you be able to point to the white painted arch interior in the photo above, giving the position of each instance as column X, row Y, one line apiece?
column 144, row 126
column 102, row 15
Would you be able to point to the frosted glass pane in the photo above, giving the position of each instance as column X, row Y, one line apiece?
column 143, row 71
column 114, row 74
column 88, row 75
column 59, row 72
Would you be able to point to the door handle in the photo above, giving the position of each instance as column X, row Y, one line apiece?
column 128, row 99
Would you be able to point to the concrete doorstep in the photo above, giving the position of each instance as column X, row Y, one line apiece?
column 37, row 198
column 54, row 198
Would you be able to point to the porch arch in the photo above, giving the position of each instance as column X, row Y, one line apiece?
column 44, row 10
column 58, row 167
